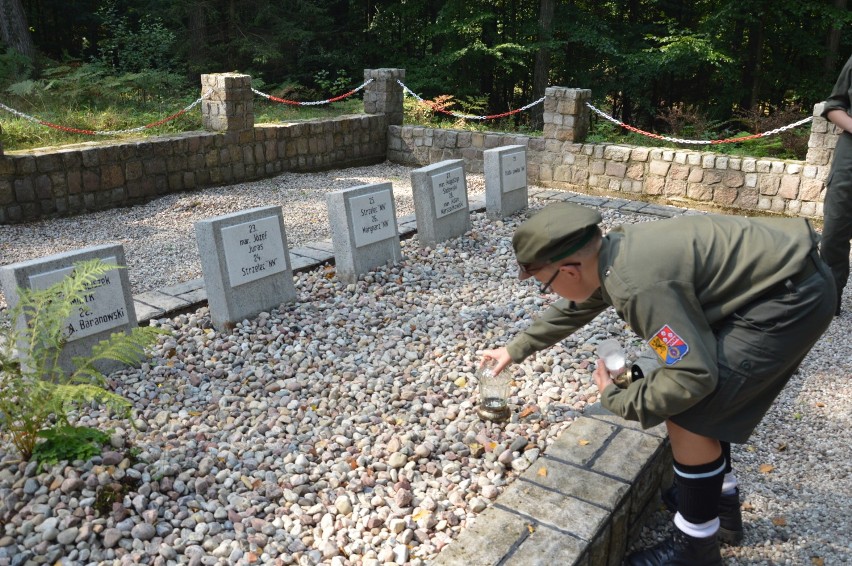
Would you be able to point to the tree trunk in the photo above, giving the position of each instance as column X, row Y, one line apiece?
column 752, row 67
column 831, row 45
column 198, row 36
column 541, row 71
column 14, row 30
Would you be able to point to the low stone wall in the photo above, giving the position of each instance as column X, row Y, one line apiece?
column 97, row 176
column 686, row 176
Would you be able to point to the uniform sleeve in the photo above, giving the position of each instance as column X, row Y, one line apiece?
column 558, row 322
column 669, row 311
column 839, row 98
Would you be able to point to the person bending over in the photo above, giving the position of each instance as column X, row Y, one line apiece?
column 730, row 305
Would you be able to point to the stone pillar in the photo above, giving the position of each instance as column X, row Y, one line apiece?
column 230, row 107
column 821, row 143
column 384, row 95
column 566, row 116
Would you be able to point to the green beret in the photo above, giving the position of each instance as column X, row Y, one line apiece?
column 555, row 233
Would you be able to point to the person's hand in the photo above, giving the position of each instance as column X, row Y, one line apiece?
column 500, row 356
column 601, row 375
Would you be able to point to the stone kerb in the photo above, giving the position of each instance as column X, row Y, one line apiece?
column 246, row 264
column 583, row 502
column 364, row 229
column 107, row 307
column 506, row 190
column 440, row 201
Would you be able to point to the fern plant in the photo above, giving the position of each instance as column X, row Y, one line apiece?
column 38, row 394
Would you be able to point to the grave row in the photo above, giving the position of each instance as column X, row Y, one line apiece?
column 244, row 255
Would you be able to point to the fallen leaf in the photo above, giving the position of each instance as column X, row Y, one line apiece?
column 528, row 410
column 583, row 442
column 531, row 529
column 542, row 471
column 194, row 413
column 782, row 447
column 420, row 515
column 819, row 404
column 779, row 521
column 461, row 382
column 766, row 468
column 817, row 561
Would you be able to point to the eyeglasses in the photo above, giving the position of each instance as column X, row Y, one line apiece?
column 544, row 288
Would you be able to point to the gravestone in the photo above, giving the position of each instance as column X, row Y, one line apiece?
column 107, row 306
column 440, row 201
column 505, row 180
column 363, row 229
column 246, row 264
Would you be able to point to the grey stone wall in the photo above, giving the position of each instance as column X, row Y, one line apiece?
column 667, row 175
column 97, row 176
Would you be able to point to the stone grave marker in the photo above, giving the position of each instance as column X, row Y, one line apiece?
column 505, row 180
column 440, row 201
column 363, row 229
column 246, row 264
column 107, row 307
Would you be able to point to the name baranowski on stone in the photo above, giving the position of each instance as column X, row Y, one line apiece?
column 117, row 314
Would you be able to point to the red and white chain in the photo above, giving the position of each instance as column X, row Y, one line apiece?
column 314, row 103
column 104, row 133
column 606, row 116
column 434, row 107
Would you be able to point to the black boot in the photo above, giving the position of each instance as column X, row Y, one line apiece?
column 679, row 549
column 730, row 515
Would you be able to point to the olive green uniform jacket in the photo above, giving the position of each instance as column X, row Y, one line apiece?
column 672, row 281
column 837, row 227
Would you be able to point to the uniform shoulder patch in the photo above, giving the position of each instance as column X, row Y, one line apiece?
column 668, row 345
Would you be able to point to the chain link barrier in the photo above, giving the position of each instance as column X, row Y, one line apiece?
column 407, row 90
column 467, row 116
column 606, row 116
column 71, row 130
column 314, row 103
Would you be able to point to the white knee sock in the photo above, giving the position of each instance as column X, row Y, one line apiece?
column 702, row 530
column 729, row 484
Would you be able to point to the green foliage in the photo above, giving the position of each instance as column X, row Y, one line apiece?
column 128, row 48
column 13, row 67
column 68, row 443
column 340, row 84
column 37, row 393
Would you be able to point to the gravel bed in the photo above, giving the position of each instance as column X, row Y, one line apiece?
column 341, row 429
column 159, row 237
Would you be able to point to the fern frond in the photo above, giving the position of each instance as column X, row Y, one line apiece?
column 75, row 396
column 45, row 312
column 126, row 348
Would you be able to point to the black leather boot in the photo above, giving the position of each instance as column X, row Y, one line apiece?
column 679, row 549
column 730, row 515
